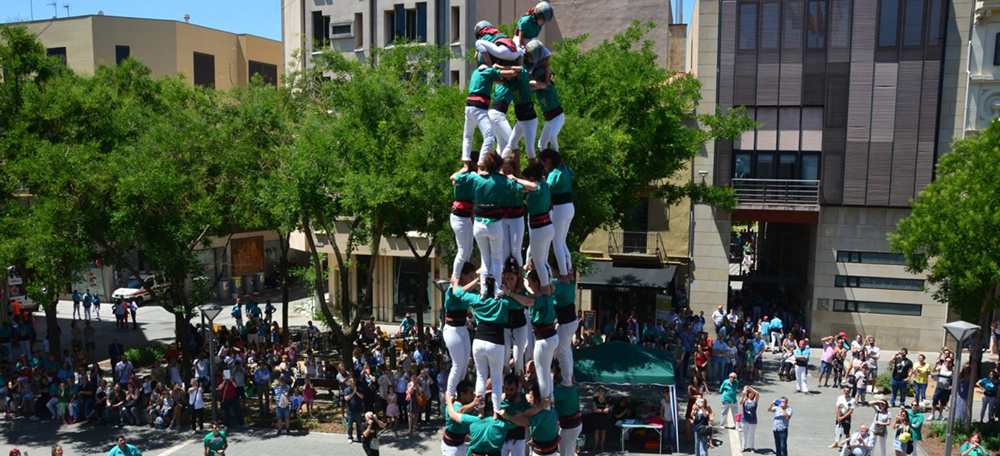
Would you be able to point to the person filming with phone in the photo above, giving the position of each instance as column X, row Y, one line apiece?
column 782, row 415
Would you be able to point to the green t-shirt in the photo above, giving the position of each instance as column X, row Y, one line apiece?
column 548, row 99
column 567, row 400
column 539, row 199
column 5, row 333
column 543, row 313
column 481, row 83
column 513, row 197
column 491, row 189
column 215, row 442
column 465, row 187
column 490, row 310
column 50, row 366
column 457, row 299
column 529, row 28
column 511, row 303
column 454, row 427
column 565, row 293
column 516, row 90
column 561, row 180
column 514, row 409
column 544, row 426
column 486, row 435
column 916, row 422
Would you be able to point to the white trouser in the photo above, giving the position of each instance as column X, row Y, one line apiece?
column 462, row 226
column 513, row 240
column 489, row 237
column 448, row 450
column 567, row 442
column 501, row 128
column 549, row 139
column 457, row 341
column 801, row 373
column 489, row 364
column 523, row 129
column 564, row 353
column 529, row 351
column 97, row 310
column 838, row 433
column 476, row 116
column 562, row 215
column 86, row 313
column 728, row 409
column 514, row 448
column 545, row 349
column 539, row 241
column 516, row 340
column 747, row 434
column 880, row 444
column 502, row 52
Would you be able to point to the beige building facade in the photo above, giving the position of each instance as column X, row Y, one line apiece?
column 209, row 57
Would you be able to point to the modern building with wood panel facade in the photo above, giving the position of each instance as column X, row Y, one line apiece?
column 855, row 100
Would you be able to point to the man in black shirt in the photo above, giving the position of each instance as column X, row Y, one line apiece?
column 901, row 367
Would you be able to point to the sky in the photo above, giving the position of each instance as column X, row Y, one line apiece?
column 256, row 17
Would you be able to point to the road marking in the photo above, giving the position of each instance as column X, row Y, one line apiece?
column 735, row 444
column 176, row 448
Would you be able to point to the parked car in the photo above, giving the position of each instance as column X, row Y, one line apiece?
column 136, row 288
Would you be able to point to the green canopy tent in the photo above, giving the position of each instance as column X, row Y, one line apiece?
column 622, row 363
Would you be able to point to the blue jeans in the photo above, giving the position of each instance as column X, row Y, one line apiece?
column 718, row 366
column 700, row 444
column 781, row 443
column 919, row 391
column 353, row 418
column 234, row 406
column 898, row 387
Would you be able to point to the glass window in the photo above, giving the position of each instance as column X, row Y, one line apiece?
column 57, row 52
column 816, row 24
column 121, row 53
column 913, row 23
column 742, row 166
column 810, row 167
column 844, row 256
column 934, row 23
column 748, row 26
column 888, row 23
column 884, row 283
column 840, row 24
column 877, row 307
column 204, row 70
column 769, row 21
column 407, row 289
column 996, row 51
column 786, row 166
column 791, row 29
column 268, row 72
column 765, row 166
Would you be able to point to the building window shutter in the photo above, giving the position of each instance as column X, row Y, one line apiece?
column 422, row 22
column 400, row 21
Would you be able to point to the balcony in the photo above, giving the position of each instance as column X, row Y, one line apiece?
column 777, row 194
column 636, row 245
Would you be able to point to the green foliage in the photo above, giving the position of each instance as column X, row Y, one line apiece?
column 145, row 356
column 952, row 232
column 884, row 383
column 990, row 433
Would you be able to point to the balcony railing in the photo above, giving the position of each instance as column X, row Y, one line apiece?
column 636, row 243
column 796, row 194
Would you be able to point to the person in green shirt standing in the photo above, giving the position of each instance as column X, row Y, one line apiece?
column 516, row 338
column 455, row 431
column 513, row 404
column 216, row 442
column 565, row 304
column 540, row 228
column 512, row 205
column 543, row 324
column 457, row 301
column 488, row 346
column 530, row 25
column 123, row 449
column 728, row 390
column 536, row 57
column 464, row 191
column 476, row 105
column 561, row 185
column 541, row 421
column 566, row 399
column 916, row 423
column 486, row 434
column 518, row 91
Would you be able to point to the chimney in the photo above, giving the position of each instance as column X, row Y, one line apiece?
column 100, row 12
column 187, row 18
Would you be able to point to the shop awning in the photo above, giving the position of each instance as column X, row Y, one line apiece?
column 622, row 363
column 607, row 275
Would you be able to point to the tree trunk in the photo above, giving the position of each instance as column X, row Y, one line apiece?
column 52, row 329
column 181, row 331
column 283, row 242
column 976, row 357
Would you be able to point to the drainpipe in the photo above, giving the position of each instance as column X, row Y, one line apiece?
column 968, row 68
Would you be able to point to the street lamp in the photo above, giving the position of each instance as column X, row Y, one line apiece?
column 960, row 330
column 210, row 311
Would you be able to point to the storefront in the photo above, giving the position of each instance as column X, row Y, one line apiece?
column 613, row 292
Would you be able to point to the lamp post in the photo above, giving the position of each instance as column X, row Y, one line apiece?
column 442, row 286
column 210, row 311
column 960, row 330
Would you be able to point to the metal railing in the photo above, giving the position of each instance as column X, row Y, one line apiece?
column 642, row 243
column 788, row 192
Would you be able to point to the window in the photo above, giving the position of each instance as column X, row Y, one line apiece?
column 810, row 167
column 57, row 52
column 748, row 27
column 889, row 308
column 996, row 50
column 791, row 30
column 765, row 166
column 888, row 23
column 455, row 79
column 268, row 72
column 320, row 26
column 884, row 283
column 121, row 53
column 769, row 21
column 786, row 166
column 844, row 256
column 342, row 30
column 816, row 25
column 839, row 36
column 455, row 25
column 204, row 70
column 408, row 23
column 407, row 287
column 359, row 28
column 389, row 25
column 913, row 22
column 934, row 23
column 741, row 166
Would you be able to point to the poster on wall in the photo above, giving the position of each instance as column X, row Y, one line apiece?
column 664, row 303
column 247, row 256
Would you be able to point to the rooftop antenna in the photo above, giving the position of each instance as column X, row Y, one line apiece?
column 187, row 18
column 55, row 9
column 31, row 8
column 67, row 9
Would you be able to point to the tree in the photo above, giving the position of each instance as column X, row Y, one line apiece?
column 951, row 233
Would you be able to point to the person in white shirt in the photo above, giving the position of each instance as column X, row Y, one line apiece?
column 843, row 410
column 871, row 356
column 197, row 402
column 123, row 370
column 201, row 368
column 719, row 317
column 861, row 442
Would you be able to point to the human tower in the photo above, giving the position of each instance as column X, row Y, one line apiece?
column 507, row 293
